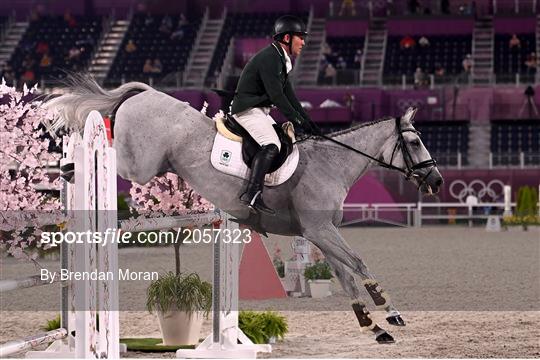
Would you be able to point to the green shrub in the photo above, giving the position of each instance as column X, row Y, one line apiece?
column 52, row 324
column 318, row 271
column 521, row 220
column 56, row 323
column 122, row 205
column 527, row 200
column 259, row 327
column 280, row 267
column 179, row 292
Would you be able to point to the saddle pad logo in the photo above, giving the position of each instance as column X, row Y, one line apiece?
column 225, row 157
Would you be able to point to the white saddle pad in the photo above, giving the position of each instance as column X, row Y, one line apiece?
column 227, row 158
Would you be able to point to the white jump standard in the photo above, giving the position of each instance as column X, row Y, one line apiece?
column 226, row 341
column 83, row 302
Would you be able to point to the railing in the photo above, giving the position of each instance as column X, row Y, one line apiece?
column 376, row 212
column 521, row 159
column 443, row 112
column 381, row 65
column 426, row 81
column 210, row 80
column 349, row 76
column 5, row 27
column 309, row 42
column 196, row 45
column 363, row 59
column 450, row 160
column 341, row 77
column 458, row 211
column 106, row 26
column 526, row 7
column 416, row 214
column 479, row 8
column 171, row 81
column 517, row 79
column 228, row 66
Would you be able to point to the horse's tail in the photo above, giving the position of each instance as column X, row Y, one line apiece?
column 84, row 95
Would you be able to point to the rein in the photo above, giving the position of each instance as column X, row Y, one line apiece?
column 411, row 168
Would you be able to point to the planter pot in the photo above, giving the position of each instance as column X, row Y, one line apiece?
column 519, row 228
column 319, row 288
column 180, row 327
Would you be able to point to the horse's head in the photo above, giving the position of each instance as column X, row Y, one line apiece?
column 409, row 154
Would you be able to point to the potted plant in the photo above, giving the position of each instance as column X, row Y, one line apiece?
column 181, row 302
column 319, row 277
column 526, row 210
column 262, row 327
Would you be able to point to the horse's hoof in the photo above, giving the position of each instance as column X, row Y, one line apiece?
column 385, row 338
column 396, row 320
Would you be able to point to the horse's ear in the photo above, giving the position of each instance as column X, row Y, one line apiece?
column 410, row 114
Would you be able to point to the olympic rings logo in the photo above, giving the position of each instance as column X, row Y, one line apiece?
column 493, row 190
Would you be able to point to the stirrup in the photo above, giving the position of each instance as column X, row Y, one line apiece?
column 256, row 204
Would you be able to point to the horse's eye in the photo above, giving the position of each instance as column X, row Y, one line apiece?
column 415, row 143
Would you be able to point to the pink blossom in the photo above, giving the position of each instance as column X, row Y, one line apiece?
column 23, row 160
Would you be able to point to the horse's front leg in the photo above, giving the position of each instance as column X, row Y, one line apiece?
column 348, row 283
column 332, row 244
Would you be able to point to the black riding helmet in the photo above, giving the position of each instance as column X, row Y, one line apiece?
column 288, row 24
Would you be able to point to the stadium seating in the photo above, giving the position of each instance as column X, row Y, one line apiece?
column 448, row 51
column 346, row 47
column 508, row 62
column 151, row 43
column 55, row 36
column 445, row 139
column 510, row 138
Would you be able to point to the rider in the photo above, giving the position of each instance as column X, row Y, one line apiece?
column 264, row 82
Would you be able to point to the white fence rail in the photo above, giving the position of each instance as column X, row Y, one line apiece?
column 417, row 213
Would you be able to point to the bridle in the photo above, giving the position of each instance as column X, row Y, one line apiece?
column 411, row 169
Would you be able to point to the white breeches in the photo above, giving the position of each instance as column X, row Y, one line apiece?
column 258, row 124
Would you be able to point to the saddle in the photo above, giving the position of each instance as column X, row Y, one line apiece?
column 250, row 147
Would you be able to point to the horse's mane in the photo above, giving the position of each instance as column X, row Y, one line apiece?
column 356, row 127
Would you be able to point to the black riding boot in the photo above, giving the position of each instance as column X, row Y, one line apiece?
column 252, row 197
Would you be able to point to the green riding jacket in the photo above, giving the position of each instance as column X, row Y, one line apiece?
column 264, row 82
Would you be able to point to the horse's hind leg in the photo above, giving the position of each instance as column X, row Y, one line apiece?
column 332, row 244
column 347, row 281
column 137, row 159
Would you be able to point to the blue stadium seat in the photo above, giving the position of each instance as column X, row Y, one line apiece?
column 509, row 138
column 445, row 139
column 508, row 62
column 447, row 50
column 60, row 37
column 152, row 44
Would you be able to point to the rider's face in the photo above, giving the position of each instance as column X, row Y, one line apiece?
column 297, row 44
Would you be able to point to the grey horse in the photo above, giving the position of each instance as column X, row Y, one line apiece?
column 155, row 133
